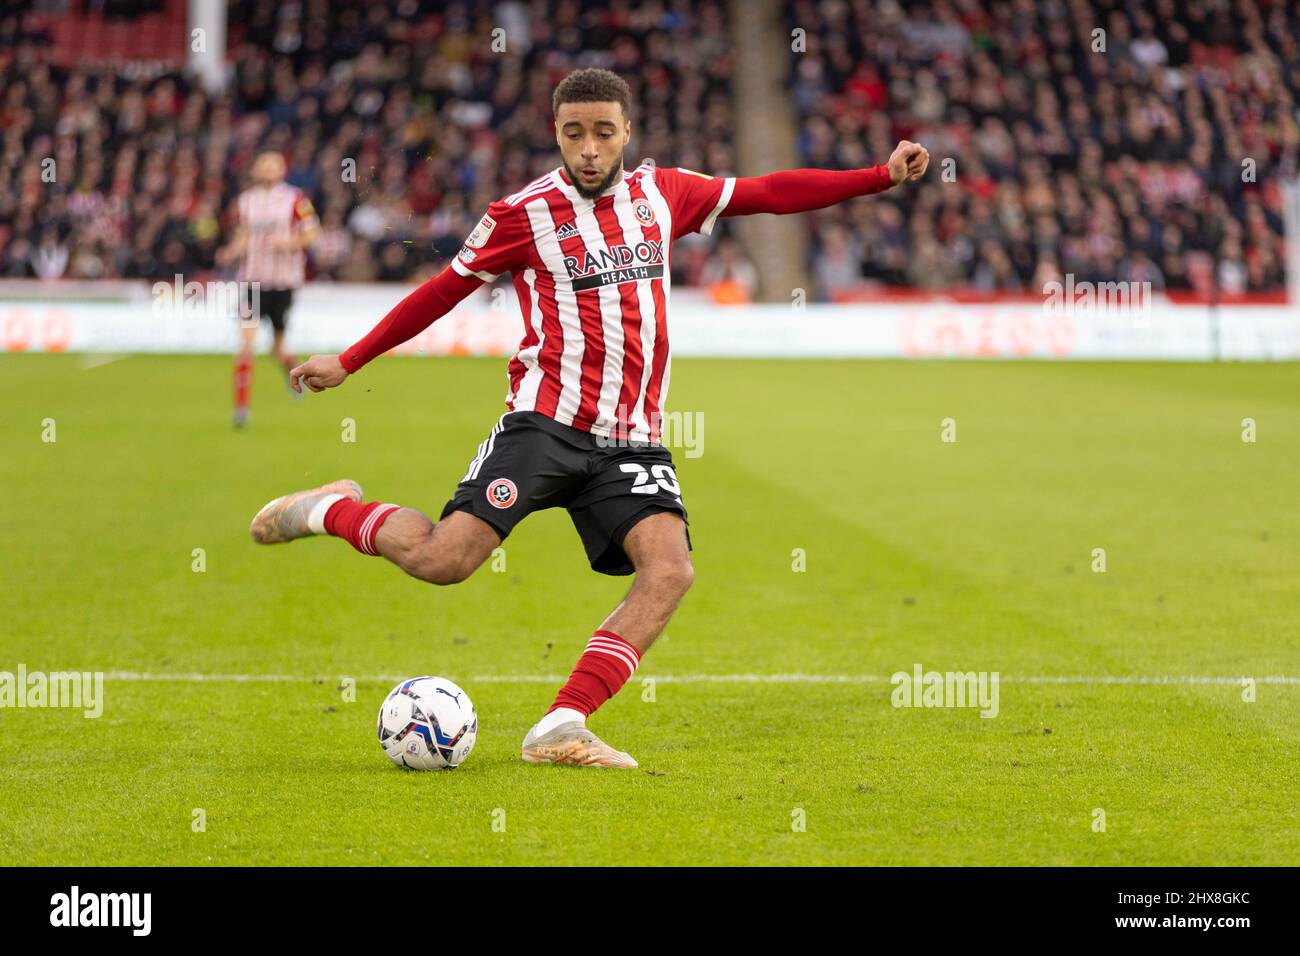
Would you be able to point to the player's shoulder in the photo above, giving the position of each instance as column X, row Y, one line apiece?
column 672, row 177
column 509, row 210
column 641, row 175
column 505, row 218
column 673, row 172
column 646, row 168
column 303, row 207
column 537, row 188
column 291, row 193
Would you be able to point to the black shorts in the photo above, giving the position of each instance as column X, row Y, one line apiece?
column 530, row 462
column 272, row 305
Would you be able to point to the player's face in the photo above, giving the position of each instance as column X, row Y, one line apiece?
column 268, row 169
column 591, row 138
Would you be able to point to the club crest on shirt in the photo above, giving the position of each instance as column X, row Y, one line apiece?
column 482, row 232
column 644, row 212
column 501, row 492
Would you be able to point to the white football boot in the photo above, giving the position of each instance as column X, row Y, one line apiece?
column 572, row 743
column 285, row 518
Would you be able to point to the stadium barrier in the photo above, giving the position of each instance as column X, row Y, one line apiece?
column 133, row 317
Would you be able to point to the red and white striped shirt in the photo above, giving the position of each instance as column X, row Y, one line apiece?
column 271, row 215
column 593, row 279
column 593, row 283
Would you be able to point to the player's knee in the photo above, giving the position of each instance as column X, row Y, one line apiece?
column 687, row 577
column 671, row 576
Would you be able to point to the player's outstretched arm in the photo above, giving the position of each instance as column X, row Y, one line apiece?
column 800, row 190
column 415, row 313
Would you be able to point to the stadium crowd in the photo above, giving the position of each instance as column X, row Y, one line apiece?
column 1111, row 139
column 401, row 120
column 1136, row 140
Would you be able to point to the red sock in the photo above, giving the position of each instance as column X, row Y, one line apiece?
column 604, row 667
column 358, row 522
column 243, row 379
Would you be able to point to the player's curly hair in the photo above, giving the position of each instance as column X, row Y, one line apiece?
column 592, row 86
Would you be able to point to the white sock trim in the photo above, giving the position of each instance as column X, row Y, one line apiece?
column 561, row 715
column 316, row 519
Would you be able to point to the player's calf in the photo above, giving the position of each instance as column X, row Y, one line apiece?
column 664, row 573
column 444, row 553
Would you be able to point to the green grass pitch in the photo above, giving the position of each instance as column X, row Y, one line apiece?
column 969, row 555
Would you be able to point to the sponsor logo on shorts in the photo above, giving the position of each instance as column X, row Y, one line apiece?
column 644, row 212
column 501, row 492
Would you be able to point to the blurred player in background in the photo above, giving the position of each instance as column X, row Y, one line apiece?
column 589, row 246
column 276, row 225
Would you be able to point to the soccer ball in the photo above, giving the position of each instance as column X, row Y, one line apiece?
column 427, row 723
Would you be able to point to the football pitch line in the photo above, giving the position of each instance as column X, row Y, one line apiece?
column 1097, row 680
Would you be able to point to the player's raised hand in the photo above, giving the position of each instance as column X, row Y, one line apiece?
column 909, row 161
column 318, row 373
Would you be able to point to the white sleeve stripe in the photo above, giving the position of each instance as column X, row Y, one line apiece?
column 466, row 271
column 728, row 185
